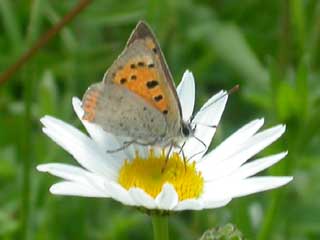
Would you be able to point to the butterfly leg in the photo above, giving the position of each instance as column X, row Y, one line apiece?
column 144, row 143
column 203, row 144
column 180, row 152
column 183, row 155
column 124, row 146
column 167, row 158
column 128, row 143
column 202, row 151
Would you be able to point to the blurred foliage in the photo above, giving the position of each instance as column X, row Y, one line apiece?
column 270, row 48
column 227, row 232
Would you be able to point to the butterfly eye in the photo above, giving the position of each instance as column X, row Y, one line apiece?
column 185, row 130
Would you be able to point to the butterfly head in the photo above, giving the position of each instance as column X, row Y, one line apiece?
column 186, row 130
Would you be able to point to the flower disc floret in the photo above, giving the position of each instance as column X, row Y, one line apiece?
column 152, row 172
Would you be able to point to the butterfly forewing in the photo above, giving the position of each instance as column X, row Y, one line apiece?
column 141, row 76
column 142, row 69
column 144, row 32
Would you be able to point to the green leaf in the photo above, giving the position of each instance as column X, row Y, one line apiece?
column 34, row 21
column 230, row 45
column 302, row 93
column 10, row 24
column 298, row 21
column 47, row 94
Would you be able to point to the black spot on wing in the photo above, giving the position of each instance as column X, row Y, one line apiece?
column 152, row 84
column 158, row 98
column 133, row 66
column 141, row 64
column 123, row 80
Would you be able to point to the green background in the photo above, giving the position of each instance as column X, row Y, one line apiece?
column 270, row 48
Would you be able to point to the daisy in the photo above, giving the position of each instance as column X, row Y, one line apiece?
column 134, row 176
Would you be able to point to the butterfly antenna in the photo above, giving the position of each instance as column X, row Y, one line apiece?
column 234, row 89
column 183, row 155
column 167, row 158
column 228, row 93
column 206, row 125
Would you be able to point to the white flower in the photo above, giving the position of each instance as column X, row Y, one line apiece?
column 207, row 180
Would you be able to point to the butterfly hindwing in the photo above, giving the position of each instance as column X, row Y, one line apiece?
column 123, row 113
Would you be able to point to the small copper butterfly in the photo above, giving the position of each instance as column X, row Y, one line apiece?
column 137, row 97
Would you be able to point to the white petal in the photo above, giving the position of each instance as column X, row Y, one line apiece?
column 190, row 204
column 209, row 115
column 81, row 147
column 256, row 166
column 142, row 198
column 158, row 150
column 143, row 151
column 258, row 184
column 75, row 189
column 168, row 198
column 104, row 139
column 74, row 174
column 217, row 191
column 208, row 204
column 232, row 143
column 118, row 193
column 255, row 144
column 67, row 172
column 77, row 103
column 186, row 93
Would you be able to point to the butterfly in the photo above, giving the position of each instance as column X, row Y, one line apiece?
column 137, row 97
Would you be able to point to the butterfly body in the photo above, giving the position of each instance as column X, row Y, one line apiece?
column 137, row 97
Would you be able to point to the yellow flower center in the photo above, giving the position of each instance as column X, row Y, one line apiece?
column 151, row 173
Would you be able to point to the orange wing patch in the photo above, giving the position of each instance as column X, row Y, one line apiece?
column 141, row 77
column 89, row 104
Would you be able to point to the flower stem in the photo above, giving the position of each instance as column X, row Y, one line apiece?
column 160, row 227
